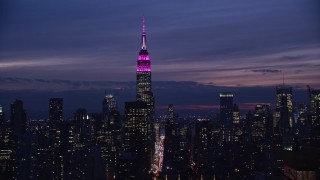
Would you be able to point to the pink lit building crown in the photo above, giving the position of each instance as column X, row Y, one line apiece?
column 143, row 63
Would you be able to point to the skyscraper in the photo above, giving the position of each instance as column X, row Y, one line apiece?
column 171, row 142
column 18, row 120
column 226, row 115
column 134, row 157
column 143, row 86
column 144, row 92
column 144, row 71
column 283, row 118
column 56, row 118
column 262, row 122
column 315, row 107
column 19, row 140
column 55, row 110
column 236, row 123
column 109, row 103
column 170, row 112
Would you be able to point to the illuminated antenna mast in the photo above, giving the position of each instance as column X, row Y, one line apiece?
column 144, row 36
column 143, row 26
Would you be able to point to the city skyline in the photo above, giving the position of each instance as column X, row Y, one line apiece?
column 185, row 128
column 238, row 44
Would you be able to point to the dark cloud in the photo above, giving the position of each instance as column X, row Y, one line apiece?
column 266, row 71
column 294, row 57
column 59, row 85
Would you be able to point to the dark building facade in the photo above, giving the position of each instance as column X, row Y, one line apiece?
column 109, row 104
column 56, row 109
column 283, row 118
column 226, row 115
column 18, row 120
column 134, row 159
column 315, row 107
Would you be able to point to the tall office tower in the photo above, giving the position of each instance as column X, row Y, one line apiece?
column 176, row 148
column 109, row 139
column 262, row 123
column 144, row 71
column 134, row 162
column 235, row 115
column 302, row 115
column 283, row 118
column 144, row 92
column 261, row 134
column 55, row 122
column 226, row 115
column 171, row 143
column 84, row 127
column 18, row 120
column 201, row 146
column 171, row 113
column 315, row 107
column 236, row 123
column 18, row 138
column 55, row 110
column 143, row 88
column 109, row 103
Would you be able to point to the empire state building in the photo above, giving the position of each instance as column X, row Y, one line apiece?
column 143, row 86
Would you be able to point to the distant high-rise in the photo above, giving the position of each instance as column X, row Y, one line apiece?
column 226, row 107
column 109, row 103
column 56, row 110
column 226, row 114
column 283, row 117
column 56, row 118
column 315, row 107
column 236, row 123
column 171, row 113
column 171, row 142
column 262, row 123
column 18, row 120
column 235, row 115
column 201, row 145
column 283, row 113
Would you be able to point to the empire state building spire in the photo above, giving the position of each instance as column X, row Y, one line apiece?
column 144, row 36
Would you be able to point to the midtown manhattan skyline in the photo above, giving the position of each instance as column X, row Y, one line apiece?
column 78, row 50
column 159, row 90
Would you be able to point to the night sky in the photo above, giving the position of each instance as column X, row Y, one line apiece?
column 58, row 47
